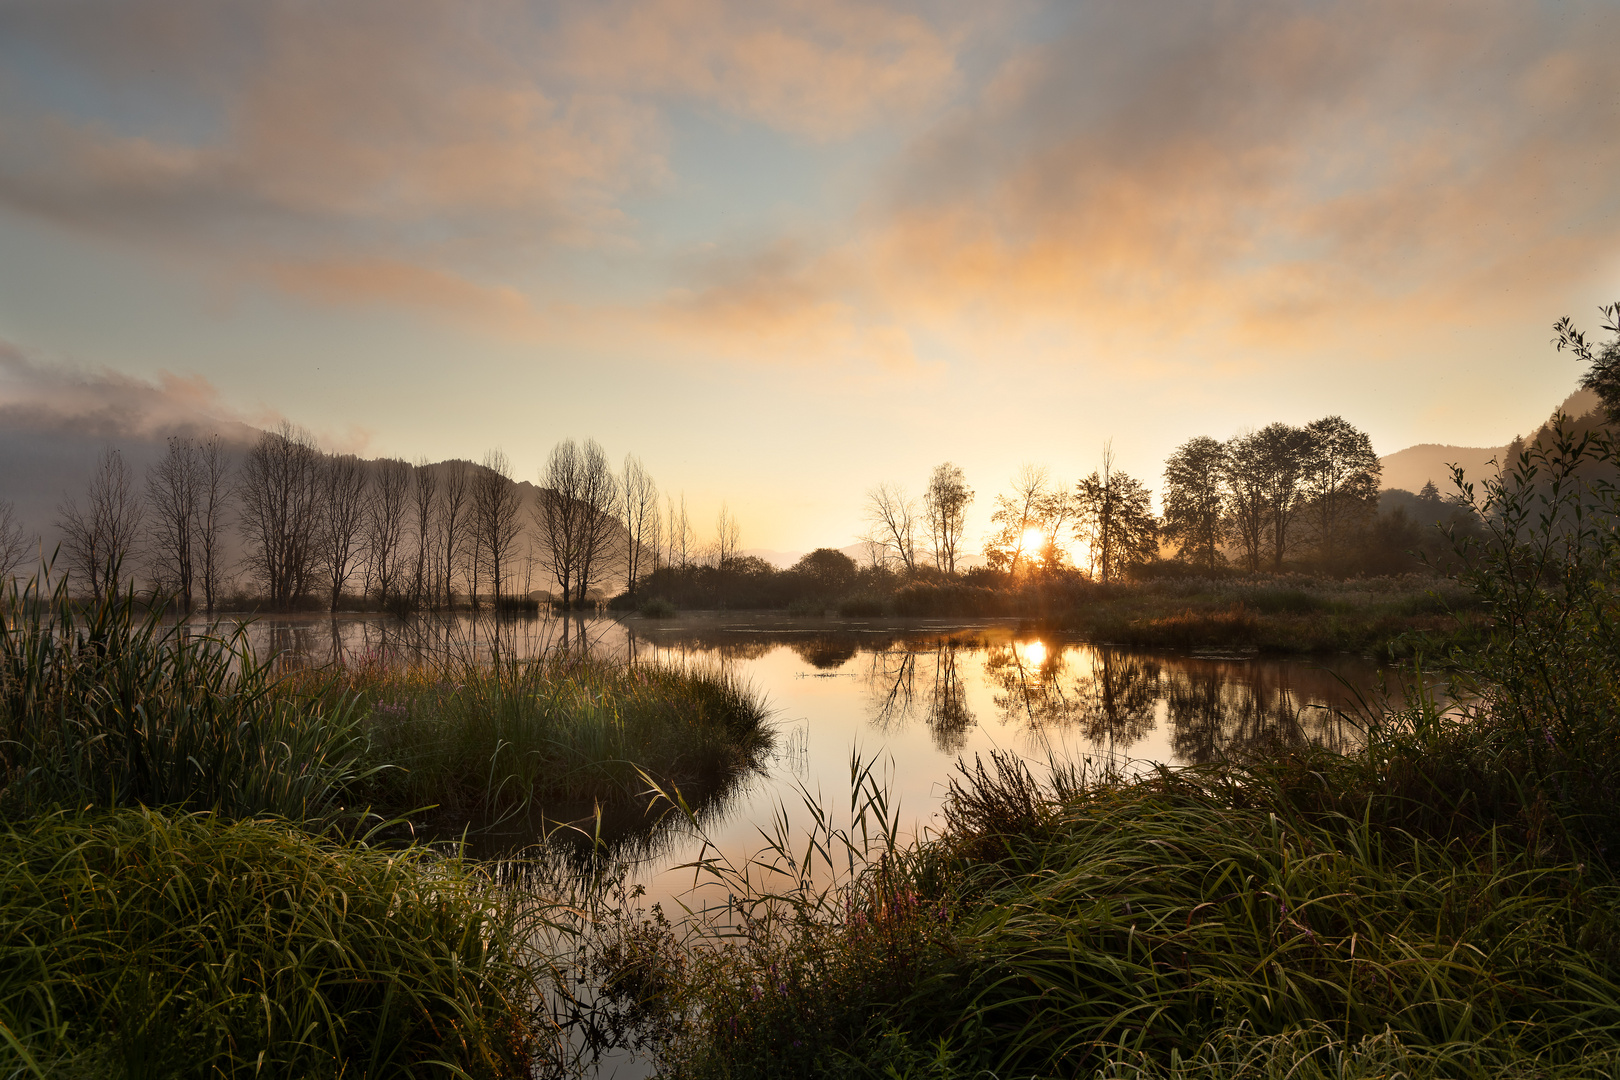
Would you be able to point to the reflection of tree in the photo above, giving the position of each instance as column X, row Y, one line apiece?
column 1116, row 703
column 948, row 715
column 1225, row 710
column 825, row 651
column 1028, row 678
column 893, row 682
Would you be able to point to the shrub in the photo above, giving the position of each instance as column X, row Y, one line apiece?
column 862, row 605
column 658, row 608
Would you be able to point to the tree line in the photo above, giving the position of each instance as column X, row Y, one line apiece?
column 1256, row 500
column 317, row 526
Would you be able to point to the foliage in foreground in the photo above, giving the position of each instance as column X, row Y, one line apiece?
column 1441, row 904
column 142, row 943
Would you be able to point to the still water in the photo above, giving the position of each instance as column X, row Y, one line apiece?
column 915, row 696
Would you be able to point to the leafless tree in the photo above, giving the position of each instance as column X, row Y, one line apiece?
column 891, row 521
column 385, row 525
column 172, row 495
column 213, row 495
column 578, row 515
column 679, row 537
column 496, row 517
column 425, row 490
column 452, row 525
column 14, row 543
column 728, row 537
column 946, row 500
column 344, row 504
column 279, row 490
column 640, row 509
column 1017, row 514
column 100, row 539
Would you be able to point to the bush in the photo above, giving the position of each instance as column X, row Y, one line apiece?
column 658, row 608
column 862, row 605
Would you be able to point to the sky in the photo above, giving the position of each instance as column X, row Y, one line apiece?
column 786, row 251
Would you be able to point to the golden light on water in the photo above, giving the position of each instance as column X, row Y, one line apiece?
column 1034, row 653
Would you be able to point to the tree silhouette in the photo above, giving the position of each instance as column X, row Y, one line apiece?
column 1115, row 519
column 100, row 539
column 891, row 523
column 945, row 501
column 1017, row 513
column 279, row 492
column 1603, row 363
column 1195, row 500
column 1340, row 480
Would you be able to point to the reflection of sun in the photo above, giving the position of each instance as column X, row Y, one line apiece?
column 1035, row 653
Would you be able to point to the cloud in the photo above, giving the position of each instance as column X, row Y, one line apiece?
column 108, row 405
column 1258, row 174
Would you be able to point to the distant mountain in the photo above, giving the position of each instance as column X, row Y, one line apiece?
column 1411, row 468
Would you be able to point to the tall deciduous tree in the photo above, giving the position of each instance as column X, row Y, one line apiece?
column 1115, row 520
column 385, row 526
column 497, row 517
column 100, row 539
column 1017, row 515
column 425, row 492
column 891, row 523
column 14, row 543
column 1283, row 451
column 1195, row 500
column 213, row 497
column 344, row 504
column 728, row 538
column 173, row 494
column 1341, row 481
column 1246, row 505
column 279, row 492
column 578, row 515
column 945, row 501
column 640, row 509
column 452, row 527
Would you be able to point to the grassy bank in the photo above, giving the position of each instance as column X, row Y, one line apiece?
column 1443, row 903
column 190, row 878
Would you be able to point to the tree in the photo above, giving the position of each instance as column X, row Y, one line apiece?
column 452, row 525
column 1603, row 370
column 100, row 539
column 385, row 525
column 945, row 501
column 640, row 507
column 578, row 515
column 1195, row 500
column 14, row 543
column 213, row 496
column 496, row 516
column 599, row 519
column 1246, row 498
column 1341, row 477
column 1280, row 454
column 891, row 519
column 827, row 572
column 1019, row 515
column 1115, row 519
column 173, row 486
column 344, row 504
column 425, row 487
column 728, row 538
column 279, row 490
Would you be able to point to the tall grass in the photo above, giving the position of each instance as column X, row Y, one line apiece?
column 105, row 703
column 140, row 943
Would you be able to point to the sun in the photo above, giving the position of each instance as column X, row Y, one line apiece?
column 1034, row 541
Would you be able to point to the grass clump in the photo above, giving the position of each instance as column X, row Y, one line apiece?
column 142, row 943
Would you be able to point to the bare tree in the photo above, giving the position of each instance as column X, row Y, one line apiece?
column 344, row 505
column 279, row 490
column 14, row 543
column 578, row 514
column 1195, row 500
column 1019, row 515
column 946, row 501
column 213, row 495
column 640, row 507
column 452, row 525
column 1341, row 474
column 1115, row 519
column 891, row 521
column 728, row 538
column 100, row 540
column 426, row 490
column 385, row 525
column 173, row 486
column 497, row 520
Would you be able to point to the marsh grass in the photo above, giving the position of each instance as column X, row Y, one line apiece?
column 143, row 943
column 106, row 703
column 489, row 741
